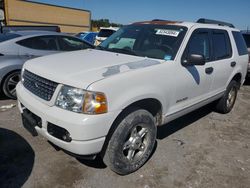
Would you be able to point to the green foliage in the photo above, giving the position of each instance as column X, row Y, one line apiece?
column 104, row 23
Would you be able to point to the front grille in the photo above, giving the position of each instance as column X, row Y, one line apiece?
column 39, row 86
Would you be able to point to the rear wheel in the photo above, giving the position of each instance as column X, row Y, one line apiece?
column 226, row 103
column 132, row 143
column 9, row 84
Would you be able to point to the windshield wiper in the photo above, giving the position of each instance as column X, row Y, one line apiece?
column 122, row 50
column 101, row 48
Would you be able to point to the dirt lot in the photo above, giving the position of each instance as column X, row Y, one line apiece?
column 202, row 149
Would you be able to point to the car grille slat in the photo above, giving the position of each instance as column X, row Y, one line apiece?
column 39, row 86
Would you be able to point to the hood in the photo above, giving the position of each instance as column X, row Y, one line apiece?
column 81, row 68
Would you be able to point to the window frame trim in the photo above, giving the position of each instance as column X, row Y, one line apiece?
column 197, row 31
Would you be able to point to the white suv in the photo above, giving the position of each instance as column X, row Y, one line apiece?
column 104, row 33
column 110, row 100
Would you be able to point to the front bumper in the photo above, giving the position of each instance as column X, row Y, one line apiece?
column 88, row 132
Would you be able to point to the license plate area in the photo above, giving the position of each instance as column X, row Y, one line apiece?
column 30, row 121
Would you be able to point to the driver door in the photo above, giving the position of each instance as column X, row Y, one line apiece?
column 194, row 81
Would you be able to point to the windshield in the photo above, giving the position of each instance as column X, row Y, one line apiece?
column 105, row 32
column 154, row 41
column 5, row 37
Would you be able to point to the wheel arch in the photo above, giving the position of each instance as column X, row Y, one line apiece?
column 8, row 72
column 152, row 105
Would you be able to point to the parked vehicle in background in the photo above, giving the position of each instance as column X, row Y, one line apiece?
column 246, row 35
column 104, row 33
column 110, row 100
column 87, row 36
column 7, row 29
column 18, row 47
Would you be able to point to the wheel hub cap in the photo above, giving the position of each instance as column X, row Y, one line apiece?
column 136, row 144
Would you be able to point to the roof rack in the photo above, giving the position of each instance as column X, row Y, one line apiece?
column 156, row 20
column 207, row 21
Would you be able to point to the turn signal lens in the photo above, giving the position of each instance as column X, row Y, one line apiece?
column 95, row 103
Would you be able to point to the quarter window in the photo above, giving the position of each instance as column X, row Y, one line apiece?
column 240, row 43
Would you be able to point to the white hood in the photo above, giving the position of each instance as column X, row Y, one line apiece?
column 81, row 68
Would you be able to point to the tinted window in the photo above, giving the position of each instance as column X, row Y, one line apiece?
column 40, row 43
column 5, row 37
column 247, row 39
column 240, row 43
column 199, row 44
column 71, row 44
column 105, row 33
column 221, row 45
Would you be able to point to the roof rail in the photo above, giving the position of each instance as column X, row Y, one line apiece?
column 207, row 21
column 156, row 20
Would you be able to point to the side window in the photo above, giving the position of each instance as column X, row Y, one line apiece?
column 221, row 45
column 199, row 44
column 70, row 44
column 240, row 43
column 40, row 43
column 247, row 39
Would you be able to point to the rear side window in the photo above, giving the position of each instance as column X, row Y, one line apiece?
column 247, row 39
column 240, row 43
column 221, row 45
column 40, row 43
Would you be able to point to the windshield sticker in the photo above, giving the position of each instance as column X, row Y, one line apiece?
column 172, row 33
column 167, row 57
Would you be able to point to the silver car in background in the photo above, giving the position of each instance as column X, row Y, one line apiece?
column 18, row 47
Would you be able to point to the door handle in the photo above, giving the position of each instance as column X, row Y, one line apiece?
column 233, row 64
column 209, row 70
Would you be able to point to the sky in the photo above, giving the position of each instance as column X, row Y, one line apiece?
column 128, row 11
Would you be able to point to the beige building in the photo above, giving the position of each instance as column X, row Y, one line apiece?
column 21, row 12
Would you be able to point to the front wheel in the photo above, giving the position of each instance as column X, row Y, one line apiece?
column 226, row 103
column 9, row 84
column 132, row 143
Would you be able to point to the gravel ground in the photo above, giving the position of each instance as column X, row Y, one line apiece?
column 201, row 149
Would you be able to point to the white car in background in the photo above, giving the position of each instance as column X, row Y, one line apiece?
column 104, row 33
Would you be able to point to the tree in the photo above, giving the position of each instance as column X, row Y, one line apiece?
column 103, row 23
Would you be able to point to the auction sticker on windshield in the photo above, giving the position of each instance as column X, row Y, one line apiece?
column 172, row 33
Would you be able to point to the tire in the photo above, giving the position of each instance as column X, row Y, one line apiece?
column 132, row 143
column 226, row 103
column 9, row 84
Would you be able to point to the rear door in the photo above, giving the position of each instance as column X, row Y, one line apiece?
column 223, row 60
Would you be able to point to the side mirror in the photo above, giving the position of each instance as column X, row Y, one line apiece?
column 194, row 59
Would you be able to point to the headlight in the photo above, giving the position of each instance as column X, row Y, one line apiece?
column 81, row 101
